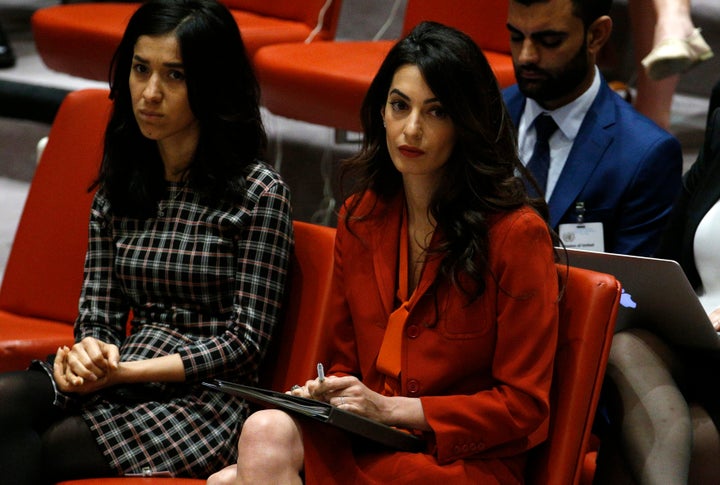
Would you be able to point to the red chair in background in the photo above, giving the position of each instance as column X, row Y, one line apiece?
column 296, row 349
column 41, row 286
column 79, row 39
column 325, row 82
column 588, row 310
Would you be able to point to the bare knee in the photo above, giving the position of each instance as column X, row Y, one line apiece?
column 269, row 428
column 635, row 344
column 270, row 442
column 226, row 476
column 636, row 348
column 704, row 466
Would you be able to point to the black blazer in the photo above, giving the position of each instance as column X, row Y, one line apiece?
column 700, row 191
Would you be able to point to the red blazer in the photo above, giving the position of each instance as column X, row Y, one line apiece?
column 482, row 370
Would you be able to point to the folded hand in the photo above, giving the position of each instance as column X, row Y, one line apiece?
column 89, row 366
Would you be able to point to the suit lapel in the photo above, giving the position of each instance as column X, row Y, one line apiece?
column 587, row 151
column 588, row 148
column 515, row 102
column 429, row 273
column 385, row 233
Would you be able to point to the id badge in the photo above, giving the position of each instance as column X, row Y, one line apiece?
column 585, row 235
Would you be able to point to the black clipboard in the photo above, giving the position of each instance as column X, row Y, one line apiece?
column 324, row 413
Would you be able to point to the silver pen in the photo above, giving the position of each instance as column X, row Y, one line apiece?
column 321, row 372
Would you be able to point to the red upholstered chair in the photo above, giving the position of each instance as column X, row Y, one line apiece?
column 587, row 321
column 80, row 39
column 296, row 350
column 41, row 286
column 325, row 82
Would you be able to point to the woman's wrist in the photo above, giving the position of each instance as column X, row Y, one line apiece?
column 404, row 412
column 168, row 368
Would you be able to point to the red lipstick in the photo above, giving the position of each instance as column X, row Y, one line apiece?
column 410, row 152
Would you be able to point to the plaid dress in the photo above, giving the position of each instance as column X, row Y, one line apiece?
column 205, row 282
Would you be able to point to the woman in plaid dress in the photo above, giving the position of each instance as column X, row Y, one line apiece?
column 190, row 235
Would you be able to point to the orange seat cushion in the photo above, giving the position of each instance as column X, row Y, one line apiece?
column 80, row 39
column 328, row 80
column 38, row 339
column 258, row 31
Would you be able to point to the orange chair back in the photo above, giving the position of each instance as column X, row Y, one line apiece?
column 305, row 11
column 80, row 38
column 587, row 321
column 483, row 20
column 296, row 347
column 45, row 267
column 41, row 286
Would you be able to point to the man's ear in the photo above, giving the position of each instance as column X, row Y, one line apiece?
column 598, row 34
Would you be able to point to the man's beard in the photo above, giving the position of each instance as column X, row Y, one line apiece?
column 553, row 85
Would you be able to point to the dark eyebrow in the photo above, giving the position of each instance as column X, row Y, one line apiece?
column 174, row 65
column 406, row 97
column 539, row 34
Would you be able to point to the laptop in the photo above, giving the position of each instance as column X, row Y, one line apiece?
column 656, row 295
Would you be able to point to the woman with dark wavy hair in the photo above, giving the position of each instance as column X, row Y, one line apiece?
column 443, row 317
column 191, row 235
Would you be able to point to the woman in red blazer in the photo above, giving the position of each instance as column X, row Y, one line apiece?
column 443, row 320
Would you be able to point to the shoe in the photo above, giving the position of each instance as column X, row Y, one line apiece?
column 7, row 57
column 675, row 56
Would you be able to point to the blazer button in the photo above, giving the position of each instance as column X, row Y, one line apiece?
column 413, row 331
column 413, row 386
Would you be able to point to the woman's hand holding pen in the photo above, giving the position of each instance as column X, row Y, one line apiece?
column 347, row 393
column 350, row 394
column 88, row 366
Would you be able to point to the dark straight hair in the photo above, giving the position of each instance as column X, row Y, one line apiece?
column 586, row 10
column 223, row 94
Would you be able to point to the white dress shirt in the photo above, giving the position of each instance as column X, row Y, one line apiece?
column 569, row 118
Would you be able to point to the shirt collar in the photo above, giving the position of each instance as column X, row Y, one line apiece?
column 569, row 118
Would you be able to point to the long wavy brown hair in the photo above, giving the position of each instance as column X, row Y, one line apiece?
column 481, row 177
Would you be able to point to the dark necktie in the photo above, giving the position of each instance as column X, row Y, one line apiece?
column 540, row 161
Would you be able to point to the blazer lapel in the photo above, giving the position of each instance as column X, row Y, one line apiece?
column 515, row 102
column 385, row 234
column 429, row 273
column 587, row 151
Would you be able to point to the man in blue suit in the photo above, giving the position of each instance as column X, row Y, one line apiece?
column 613, row 174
